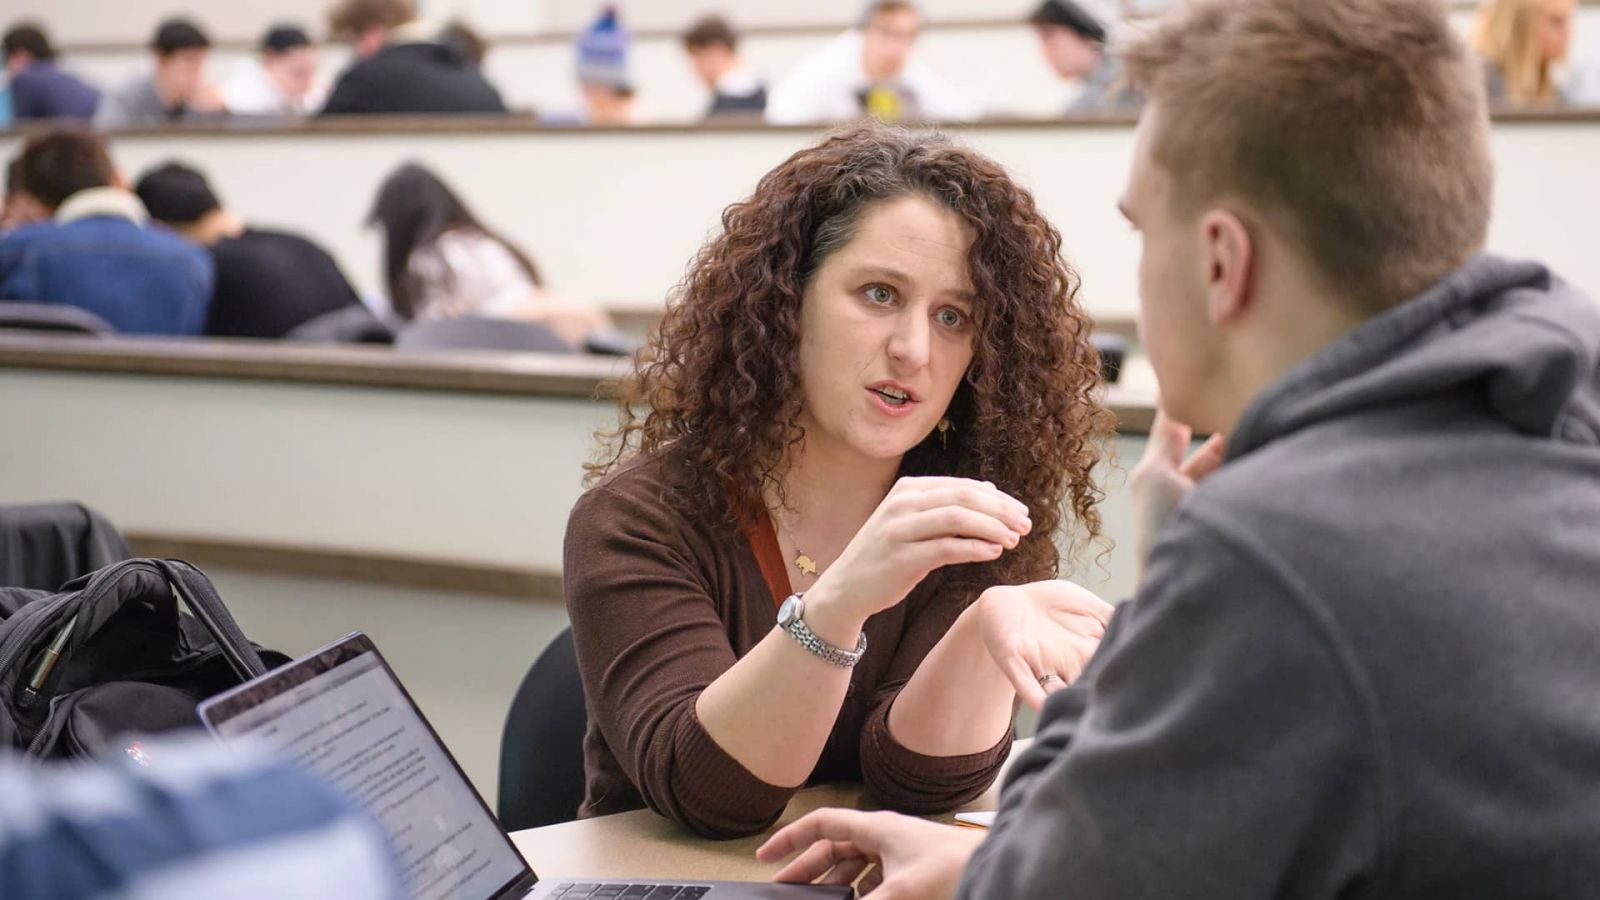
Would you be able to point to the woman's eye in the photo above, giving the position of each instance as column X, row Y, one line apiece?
column 880, row 294
column 951, row 318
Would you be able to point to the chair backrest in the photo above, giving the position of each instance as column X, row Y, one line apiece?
column 541, row 750
column 52, row 317
column 353, row 324
column 479, row 333
column 46, row 545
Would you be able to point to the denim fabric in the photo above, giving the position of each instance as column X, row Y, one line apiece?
column 141, row 280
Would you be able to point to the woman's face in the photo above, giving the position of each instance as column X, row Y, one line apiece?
column 1554, row 29
column 886, row 331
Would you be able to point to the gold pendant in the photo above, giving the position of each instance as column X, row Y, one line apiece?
column 805, row 564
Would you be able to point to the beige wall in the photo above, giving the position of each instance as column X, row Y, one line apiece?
column 616, row 216
column 460, row 475
column 998, row 66
column 475, row 477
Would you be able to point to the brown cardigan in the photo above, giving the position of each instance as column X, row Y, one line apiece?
column 661, row 606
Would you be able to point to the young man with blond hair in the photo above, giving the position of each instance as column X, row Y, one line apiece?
column 1362, row 659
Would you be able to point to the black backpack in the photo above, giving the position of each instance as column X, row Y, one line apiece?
column 111, row 655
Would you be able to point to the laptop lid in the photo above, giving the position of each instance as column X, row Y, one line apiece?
column 343, row 713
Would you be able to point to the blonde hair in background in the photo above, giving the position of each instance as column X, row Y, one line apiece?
column 1356, row 128
column 1506, row 35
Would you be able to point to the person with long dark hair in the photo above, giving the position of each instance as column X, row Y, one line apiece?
column 441, row 261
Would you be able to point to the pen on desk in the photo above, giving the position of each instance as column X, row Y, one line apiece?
column 52, row 655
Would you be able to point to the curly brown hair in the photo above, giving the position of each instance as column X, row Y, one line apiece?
column 716, row 392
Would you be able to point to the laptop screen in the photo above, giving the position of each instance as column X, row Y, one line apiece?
column 342, row 713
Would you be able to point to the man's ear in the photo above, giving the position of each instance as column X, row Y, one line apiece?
column 1229, row 256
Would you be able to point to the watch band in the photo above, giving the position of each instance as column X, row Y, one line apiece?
column 805, row 637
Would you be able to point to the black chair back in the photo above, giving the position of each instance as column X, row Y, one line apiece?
column 46, row 545
column 541, row 751
column 478, row 333
column 353, row 324
column 49, row 317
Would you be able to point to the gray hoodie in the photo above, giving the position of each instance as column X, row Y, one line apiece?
column 1365, row 661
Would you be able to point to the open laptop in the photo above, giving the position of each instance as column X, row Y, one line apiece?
column 342, row 712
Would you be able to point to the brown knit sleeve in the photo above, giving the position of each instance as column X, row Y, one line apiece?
column 649, row 640
column 902, row 779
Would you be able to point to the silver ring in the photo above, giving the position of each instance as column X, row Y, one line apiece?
column 1046, row 679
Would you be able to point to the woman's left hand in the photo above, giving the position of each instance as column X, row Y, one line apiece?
column 1041, row 635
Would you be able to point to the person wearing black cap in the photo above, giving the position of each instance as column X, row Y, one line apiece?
column 1074, row 44
column 282, row 80
column 177, row 88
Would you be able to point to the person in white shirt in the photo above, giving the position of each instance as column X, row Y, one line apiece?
column 869, row 70
column 440, row 262
column 282, row 80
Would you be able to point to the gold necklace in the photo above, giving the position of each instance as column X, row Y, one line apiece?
column 802, row 560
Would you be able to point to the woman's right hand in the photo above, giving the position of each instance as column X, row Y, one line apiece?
column 923, row 524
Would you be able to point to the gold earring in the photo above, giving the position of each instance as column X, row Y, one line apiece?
column 944, row 427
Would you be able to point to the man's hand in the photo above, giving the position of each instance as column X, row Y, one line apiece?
column 1163, row 478
column 915, row 858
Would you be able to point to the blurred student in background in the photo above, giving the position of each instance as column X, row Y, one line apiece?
column 402, row 66
column 177, row 87
column 713, row 50
column 869, row 71
column 1522, row 43
column 282, row 80
column 99, row 252
column 465, row 40
column 21, row 208
column 603, row 77
column 1073, row 41
column 440, row 261
column 267, row 282
column 39, row 88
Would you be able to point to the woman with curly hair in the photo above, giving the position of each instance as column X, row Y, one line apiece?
column 870, row 398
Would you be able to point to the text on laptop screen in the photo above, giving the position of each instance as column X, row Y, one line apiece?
column 354, row 725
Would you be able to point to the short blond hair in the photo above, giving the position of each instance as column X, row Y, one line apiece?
column 1357, row 126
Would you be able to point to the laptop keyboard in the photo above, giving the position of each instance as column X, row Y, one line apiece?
column 630, row 891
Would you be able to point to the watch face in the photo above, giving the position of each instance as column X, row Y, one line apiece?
column 790, row 611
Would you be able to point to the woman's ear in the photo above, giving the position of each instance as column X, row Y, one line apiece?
column 1228, row 254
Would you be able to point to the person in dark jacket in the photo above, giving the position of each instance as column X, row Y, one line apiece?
column 402, row 66
column 39, row 88
column 98, row 252
column 1362, row 659
column 713, row 50
column 268, row 282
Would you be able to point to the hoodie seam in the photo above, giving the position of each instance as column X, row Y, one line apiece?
column 1563, row 418
column 1244, row 545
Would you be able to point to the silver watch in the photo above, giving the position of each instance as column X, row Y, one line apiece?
column 791, row 618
